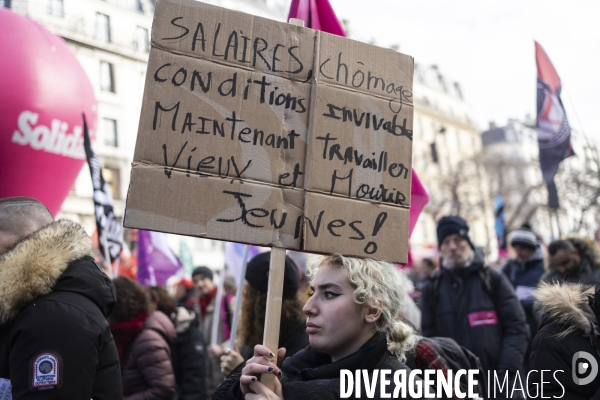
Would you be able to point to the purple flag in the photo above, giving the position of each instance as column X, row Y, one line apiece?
column 156, row 261
column 234, row 257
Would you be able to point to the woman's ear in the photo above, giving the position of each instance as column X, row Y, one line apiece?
column 373, row 315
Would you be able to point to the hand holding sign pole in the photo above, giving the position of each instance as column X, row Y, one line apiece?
column 273, row 313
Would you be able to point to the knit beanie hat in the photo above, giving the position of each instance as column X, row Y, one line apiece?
column 524, row 237
column 257, row 274
column 205, row 271
column 451, row 224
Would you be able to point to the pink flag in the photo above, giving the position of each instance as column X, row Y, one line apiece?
column 319, row 15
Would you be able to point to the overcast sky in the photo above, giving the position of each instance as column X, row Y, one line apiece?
column 487, row 46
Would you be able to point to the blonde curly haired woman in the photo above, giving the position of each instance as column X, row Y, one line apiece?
column 351, row 323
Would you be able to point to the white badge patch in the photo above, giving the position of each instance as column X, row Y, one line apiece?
column 5, row 389
column 46, row 372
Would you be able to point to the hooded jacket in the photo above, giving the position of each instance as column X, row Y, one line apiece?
column 524, row 279
column 188, row 356
column 482, row 315
column 55, row 342
column 310, row 374
column 147, row 369
column 588, row 272
column 569, row 325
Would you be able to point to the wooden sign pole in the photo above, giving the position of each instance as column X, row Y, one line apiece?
column 273, row 313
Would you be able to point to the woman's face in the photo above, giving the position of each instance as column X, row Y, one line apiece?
column 336, row 325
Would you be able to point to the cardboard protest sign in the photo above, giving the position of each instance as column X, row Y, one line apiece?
column 267, row 133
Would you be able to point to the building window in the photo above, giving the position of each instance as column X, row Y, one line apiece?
column 103, row 27
column 109, row 130
column 141, row 39
column 112, row 176
column 138, row 6
column 434, row 153
column 55, row 7
column 5, row 3
column 107, row 77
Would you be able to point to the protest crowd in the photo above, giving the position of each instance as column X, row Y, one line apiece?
column 534, row 313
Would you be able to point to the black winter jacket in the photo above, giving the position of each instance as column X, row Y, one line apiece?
column 588, row 274
column 524, row 279
column 565, row 310
column 588, row 271
column 310, row 374
column 189, row 356
column 55, row 342
column 477, row 307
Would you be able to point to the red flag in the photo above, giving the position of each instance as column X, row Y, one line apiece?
column 319, row 15
column 553, row 130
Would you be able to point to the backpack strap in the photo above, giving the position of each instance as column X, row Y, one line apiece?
column 489, row 283
column 435, row 285
column 508, row 267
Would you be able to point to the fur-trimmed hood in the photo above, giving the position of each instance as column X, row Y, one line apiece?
column 44, row 262
column 567, row 304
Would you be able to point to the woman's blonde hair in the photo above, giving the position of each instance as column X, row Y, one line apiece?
column 378, row 284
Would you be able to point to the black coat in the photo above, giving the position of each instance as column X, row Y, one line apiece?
column 477, row 307
column 54, row 300
column 588, row 273
column 188, row 356
column 296, row 340
column 549, row 352
column 310, row 374
column 524, row 279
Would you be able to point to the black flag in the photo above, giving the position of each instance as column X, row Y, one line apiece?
column 553, row 130
column 110, row 231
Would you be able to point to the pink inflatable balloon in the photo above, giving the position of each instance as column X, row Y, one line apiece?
column 44, row 92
